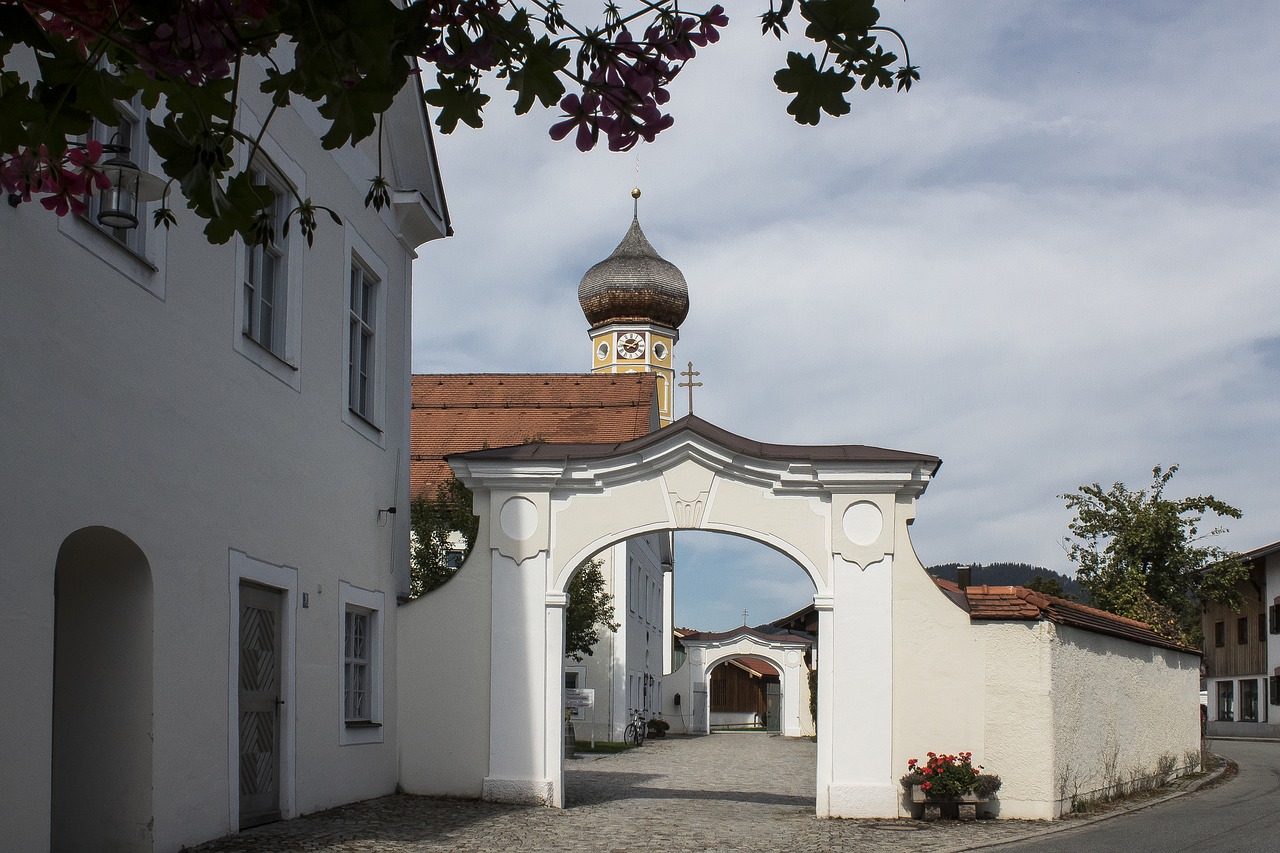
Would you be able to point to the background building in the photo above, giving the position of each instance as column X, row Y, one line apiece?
column 1242, row 653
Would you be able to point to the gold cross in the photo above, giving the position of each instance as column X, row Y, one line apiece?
column 690, row 373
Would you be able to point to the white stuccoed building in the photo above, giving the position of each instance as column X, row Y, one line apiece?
column 205, row 523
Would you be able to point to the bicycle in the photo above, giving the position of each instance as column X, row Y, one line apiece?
column 635, row 731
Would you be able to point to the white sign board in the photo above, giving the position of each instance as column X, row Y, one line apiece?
column 578, row 699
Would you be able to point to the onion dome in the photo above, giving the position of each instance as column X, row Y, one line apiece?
column 634, row 285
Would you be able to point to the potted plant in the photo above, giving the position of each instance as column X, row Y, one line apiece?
column 658, row 727
column 949, row 781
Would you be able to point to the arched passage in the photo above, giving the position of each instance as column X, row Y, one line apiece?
column 839, row 511
column 785, row 653
column 100, row 796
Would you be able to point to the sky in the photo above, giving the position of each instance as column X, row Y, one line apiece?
column 1054, row 262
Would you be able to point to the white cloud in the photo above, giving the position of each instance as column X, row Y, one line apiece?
column 1052, row 263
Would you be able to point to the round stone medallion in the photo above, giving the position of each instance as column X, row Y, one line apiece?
column 519, row 518
column 863, row 522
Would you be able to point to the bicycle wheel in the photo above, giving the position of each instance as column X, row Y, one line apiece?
column 632, row 735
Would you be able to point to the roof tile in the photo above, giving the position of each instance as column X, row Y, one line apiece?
column 1010, row 603
column 456, row 413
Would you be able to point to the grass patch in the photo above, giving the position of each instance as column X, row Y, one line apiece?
column 602, row 746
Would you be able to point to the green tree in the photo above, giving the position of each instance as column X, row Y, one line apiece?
column 1139, row 554
column 1048, row 586
column 433, row 522
column 590, row 609
column 609, row 79
column 441, row 523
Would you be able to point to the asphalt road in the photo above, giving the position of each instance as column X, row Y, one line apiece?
column 1240, row 814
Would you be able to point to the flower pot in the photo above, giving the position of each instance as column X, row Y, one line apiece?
column 963, row 807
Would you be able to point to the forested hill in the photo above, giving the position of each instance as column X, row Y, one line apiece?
column 1010, row 574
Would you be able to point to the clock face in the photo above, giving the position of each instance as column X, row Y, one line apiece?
column 631, row 345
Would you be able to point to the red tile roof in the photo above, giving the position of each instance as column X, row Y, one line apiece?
column 778, row 636
column 456, row 413
column 997, row 603
column 756, row 667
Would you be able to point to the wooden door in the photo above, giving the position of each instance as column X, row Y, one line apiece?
column 259, row 705
column 773, row 707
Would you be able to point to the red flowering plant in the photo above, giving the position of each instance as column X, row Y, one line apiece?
column 949, row 777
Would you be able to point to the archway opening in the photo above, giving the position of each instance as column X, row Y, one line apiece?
column 100, row 797
column 744, row 695
column 645, row 667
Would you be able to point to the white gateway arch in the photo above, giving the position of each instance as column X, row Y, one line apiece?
column 841, row 512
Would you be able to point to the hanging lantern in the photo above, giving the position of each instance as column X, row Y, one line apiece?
column 118, row 206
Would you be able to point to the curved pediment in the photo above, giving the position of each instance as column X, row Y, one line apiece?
column 782, row 467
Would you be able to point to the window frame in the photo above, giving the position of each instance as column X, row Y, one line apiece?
column 1219, row 634
column 357, row 663
column 362, row 357
column 133, row 115
column 358, row 253
column 286, row 364
column 368, row 605
column 1225, row 710
column 1250, row 714
column 255, row 281
column 141, row 256
column 1242, row 630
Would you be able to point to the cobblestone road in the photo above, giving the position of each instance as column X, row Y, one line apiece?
column 726, row 792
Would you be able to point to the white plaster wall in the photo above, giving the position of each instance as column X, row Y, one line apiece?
column 681, row 682
column 444, row 691
column 1118, row 707
column 1018, row 742
column 606, row 667
column 938, row 674
column 644, row 619
column 130, row 408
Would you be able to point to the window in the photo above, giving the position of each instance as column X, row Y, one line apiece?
column 356, row 666
column 1249, row 700
column 361, row 355
column 129, row 132
column 360, row 661
column 1219, row 634
column 268, row 280
column 1226, row 701
column 1242, row 630
column 266, row 273
column 1262, row 627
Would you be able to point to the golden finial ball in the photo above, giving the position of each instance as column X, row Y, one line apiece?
column 635, row 192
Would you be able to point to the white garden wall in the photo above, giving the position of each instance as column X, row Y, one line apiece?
column 444, row 687
column 1119, row 708
column 937, row 669
column 1074, row 714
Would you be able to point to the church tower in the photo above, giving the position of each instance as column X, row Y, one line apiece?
column 635, row 301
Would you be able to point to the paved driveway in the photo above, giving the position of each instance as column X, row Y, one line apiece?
column 726, row 792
